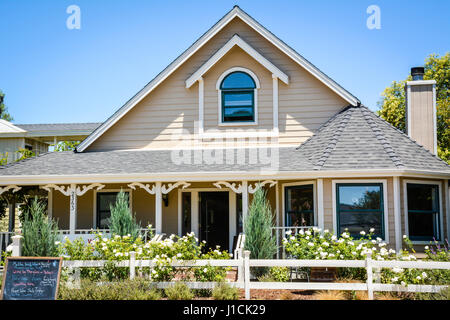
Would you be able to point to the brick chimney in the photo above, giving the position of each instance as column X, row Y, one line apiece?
column 421, row 110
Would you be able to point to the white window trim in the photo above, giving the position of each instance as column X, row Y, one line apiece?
column 405, row 206
column 94, row 214
column 283, row 198
column 195, row 210
column 385, row 203
column 255, row 96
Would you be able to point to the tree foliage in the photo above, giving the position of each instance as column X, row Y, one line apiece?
column 392, row 103
column 258, row 224
column 40, row 234
column 122, row 222
column 4, row 114
column 66, row 146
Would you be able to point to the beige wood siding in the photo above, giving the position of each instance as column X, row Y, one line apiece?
column 10, row 146
column 304, row 104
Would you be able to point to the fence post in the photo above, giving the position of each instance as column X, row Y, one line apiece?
column 247, row 274
column 17, row 246
column 132, row 264
column 241, row 264
column 369, row 275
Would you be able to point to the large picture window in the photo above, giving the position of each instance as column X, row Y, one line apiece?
column 299, row 205
column 359, row 208
column 238, row 98
column 423, row 212
column 104, row 201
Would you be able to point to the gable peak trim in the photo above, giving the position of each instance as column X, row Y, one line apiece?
column 236, row 40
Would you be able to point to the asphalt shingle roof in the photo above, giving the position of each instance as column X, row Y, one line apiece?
column 354, row 138
column 88, row 126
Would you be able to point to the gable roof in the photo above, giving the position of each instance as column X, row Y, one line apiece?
column 356, row 138
column 235, row 12
column 8, row 127
column 236, row 41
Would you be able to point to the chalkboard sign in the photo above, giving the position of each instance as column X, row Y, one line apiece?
column 31, row 278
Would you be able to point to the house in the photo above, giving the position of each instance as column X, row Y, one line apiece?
column 238, row 110
column 38, row 137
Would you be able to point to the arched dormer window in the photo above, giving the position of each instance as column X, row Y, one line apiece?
column 237, row 91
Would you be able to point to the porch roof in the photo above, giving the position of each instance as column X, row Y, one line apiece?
column 354, row 139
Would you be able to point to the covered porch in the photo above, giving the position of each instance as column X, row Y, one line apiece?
column 215, row 209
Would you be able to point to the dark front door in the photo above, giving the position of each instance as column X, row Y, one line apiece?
column 214, row 219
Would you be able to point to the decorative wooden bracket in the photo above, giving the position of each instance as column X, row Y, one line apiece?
column 13, row 186
column 171, row 186
column 232, row 186
column 73, row 188
column 146, row 187
column 258, row 185
column 152, row 189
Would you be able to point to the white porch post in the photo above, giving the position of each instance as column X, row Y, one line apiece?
column 397, row 215
column 320, row 210
column 158, row 208
column 73, row 209
column 73, row 192
column 244, row 202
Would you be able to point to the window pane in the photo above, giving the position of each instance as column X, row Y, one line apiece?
column 104, row 201
column 237, row 80
column 186, row 210
column 360, row 197
column 238, row 112
column 422, row 226
column 238, row 99
column 299, row 206
column 422, row 197
column 239, row 222
column 356, row 222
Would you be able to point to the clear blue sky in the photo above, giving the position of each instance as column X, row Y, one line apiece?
column 52, row 74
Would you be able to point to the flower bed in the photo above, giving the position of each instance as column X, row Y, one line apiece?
column 315, row 244
column 162, row 253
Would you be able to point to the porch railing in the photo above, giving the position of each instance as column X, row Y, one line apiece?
column 280, row 232
column 5, row 240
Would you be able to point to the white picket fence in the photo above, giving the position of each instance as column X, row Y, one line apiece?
column 244, row 263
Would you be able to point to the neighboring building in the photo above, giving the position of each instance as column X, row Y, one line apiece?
column 38, row 137
column 240, row 109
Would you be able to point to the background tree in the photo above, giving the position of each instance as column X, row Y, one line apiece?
column 66, row 146
column 3, row 109
column 392, row 103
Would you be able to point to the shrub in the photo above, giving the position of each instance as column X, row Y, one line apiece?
column 258, row 232
column 223, row 291
column 329, row 295
column 137, row 289
column 287, row 295
column 40, row 234
column 118, row 248
column 122, row 221
column 179, row 291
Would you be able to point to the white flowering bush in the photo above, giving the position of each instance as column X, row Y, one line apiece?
column 162, row 253
column 316, row 244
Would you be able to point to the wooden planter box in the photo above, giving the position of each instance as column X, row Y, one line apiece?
column 321, row 274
